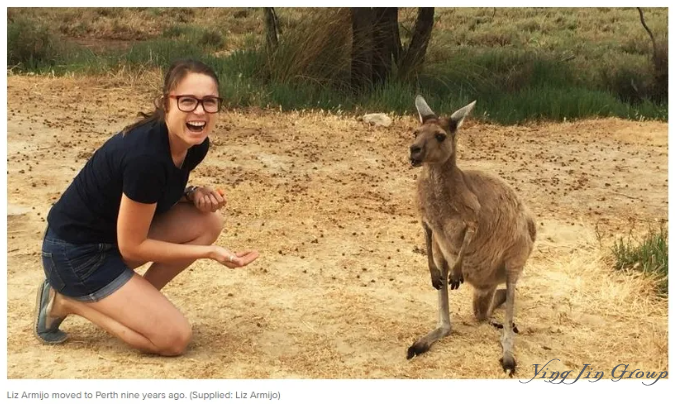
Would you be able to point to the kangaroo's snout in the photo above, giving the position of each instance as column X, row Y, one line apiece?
column 416, row 153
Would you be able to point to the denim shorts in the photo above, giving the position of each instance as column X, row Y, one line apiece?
column 84, row 272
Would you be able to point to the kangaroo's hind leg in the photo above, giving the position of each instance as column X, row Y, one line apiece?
column 508, row 361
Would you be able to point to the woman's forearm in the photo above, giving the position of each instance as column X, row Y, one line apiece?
column 151, row 250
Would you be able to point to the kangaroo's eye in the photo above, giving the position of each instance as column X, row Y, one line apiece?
column 440, row 137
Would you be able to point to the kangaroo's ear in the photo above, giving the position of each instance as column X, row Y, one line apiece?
column 425, row 112
column 459, row 115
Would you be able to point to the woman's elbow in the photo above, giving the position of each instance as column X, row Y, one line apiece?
column 129, row 252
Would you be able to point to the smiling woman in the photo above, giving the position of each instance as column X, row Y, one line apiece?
column 122, row 210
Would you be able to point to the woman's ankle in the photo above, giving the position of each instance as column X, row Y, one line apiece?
column 58, row 306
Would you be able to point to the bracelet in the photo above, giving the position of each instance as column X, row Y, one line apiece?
column 189, row 191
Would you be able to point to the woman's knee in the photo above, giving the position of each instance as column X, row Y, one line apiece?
column 175, row 341
column 213, row 224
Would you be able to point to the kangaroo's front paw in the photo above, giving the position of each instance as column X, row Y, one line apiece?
column 437, row 280
column 456, row 280
column 508, row 364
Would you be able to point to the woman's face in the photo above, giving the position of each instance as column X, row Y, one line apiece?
column 190, row 122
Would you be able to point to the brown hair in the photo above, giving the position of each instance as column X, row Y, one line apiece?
column 176, row 72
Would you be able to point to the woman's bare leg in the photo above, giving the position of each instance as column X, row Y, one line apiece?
column 138, row 313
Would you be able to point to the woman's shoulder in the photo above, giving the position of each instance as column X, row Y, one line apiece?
column 145, row 139
column 142, row 131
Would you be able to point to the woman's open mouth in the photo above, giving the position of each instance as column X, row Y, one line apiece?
column 196, row 126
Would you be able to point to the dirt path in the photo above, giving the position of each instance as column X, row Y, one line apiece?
column 341, row 289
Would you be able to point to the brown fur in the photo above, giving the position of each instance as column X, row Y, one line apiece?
column 476, row 226
column 450, row 199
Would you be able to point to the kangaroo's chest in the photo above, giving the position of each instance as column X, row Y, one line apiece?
column 443, row 217
column 448, row 235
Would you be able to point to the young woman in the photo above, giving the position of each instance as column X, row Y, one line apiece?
column 130, row 205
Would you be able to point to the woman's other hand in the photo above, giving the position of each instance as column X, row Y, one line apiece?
column 207, row 200
column 233, row 260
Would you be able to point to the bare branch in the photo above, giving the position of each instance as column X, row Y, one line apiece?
column 654, row 43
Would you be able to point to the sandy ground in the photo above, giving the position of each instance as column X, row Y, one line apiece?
column 342, row 287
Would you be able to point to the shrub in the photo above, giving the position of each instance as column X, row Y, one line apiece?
column 629, row 82
column 649, row 255
column 211, row 39
column 30, row 45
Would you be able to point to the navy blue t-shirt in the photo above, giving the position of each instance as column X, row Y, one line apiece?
column 138, row 164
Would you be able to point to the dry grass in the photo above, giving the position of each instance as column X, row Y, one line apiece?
column 546, row 26
column 317, row 50
column 543, row 28
column 134, row 24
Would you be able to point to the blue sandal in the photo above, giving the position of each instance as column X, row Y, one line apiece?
column 46, row 328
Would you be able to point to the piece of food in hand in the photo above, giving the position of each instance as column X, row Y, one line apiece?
column 221, row 192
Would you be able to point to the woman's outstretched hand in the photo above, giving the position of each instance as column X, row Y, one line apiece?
column 233, row 260
column 208, row 200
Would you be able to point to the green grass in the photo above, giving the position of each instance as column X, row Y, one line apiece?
column 519, row 64
column 649, row 255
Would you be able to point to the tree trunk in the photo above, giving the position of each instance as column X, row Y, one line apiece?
column 386, row 43
column 271, row 28
column 416, row 51
column 362, row 48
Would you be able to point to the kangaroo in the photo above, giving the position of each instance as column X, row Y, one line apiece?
column 476, row 228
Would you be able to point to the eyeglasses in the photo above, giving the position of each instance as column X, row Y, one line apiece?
column 188, row 103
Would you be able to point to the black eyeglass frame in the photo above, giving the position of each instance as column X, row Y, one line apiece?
column 199, row 101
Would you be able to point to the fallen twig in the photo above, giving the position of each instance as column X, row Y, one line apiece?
column 628, row 196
